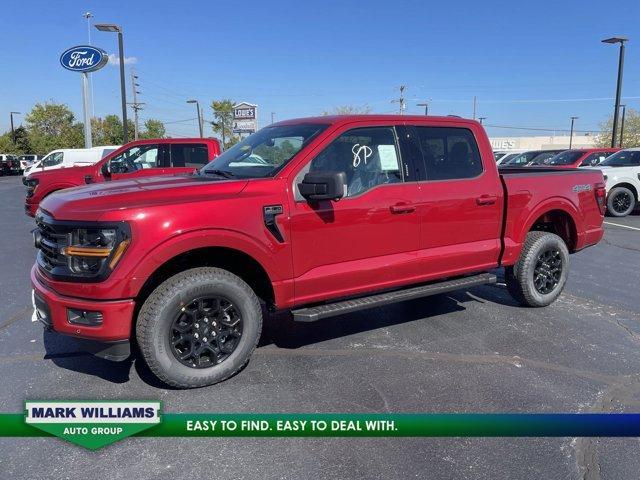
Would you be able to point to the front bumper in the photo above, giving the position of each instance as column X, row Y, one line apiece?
column 52, row 310
column 30, row 208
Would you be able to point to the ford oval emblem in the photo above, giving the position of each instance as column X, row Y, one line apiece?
column 84, row 58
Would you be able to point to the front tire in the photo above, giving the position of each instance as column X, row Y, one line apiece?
column 199, row 327
column 540, row 274
column 621, row 202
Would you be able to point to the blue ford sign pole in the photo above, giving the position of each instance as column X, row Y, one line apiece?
column 84, row 59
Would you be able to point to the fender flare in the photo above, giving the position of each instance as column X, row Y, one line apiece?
column 196, row 239
column 554, row 203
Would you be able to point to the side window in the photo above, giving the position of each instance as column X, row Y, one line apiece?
column 368, row 156
column 53, row 159
column 594, row 159
column 195, row 155
column 135, row 158
column 449, row 153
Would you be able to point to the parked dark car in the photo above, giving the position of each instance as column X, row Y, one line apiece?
column 531, row 157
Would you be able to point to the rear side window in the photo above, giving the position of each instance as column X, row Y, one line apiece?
column 449, row 153
column 195, row 155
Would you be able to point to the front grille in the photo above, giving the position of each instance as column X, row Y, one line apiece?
column 53, row 239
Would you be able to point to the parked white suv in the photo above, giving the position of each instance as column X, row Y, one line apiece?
column 622, row 173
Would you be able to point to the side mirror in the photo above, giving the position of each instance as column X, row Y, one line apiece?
column 106, row 170
column 317, row 186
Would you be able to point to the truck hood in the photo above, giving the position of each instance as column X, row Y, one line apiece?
column 90, row 202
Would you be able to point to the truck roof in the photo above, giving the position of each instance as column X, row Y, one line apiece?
column 342, row 119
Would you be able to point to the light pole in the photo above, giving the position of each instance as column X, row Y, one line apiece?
column 109, row 27
column 199, row 118
column 482, row 119
column 426, row 107
column 573, row 119
column 616, row 107
column 273, row 114
column 624, row 111
column 13, row 133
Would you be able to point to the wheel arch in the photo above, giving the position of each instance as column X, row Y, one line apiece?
column 628, row 185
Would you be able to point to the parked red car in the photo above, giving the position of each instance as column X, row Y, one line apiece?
column 319, row 216
column 140, row 158
column 580, row 157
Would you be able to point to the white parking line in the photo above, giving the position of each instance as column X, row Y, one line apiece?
column 623, row 226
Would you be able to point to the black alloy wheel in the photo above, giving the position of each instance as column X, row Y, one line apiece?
column 205, row 332
column 547, row 271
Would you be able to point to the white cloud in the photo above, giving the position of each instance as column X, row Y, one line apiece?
column 115, row 60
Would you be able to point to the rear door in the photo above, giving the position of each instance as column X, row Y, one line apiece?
column 460, row 201
column 367, row 240
column 187, row 157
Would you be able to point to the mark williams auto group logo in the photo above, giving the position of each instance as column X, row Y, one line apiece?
column 92, row 424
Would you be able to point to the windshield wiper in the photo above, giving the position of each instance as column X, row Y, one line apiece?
column 220, row 173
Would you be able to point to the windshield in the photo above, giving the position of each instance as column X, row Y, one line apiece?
column 565, row 158
column 623, row 158
column 264, row 153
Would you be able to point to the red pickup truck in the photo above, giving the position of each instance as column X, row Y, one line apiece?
column 317, row 216
column 140, row 158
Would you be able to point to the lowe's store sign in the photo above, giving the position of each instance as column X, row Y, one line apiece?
column 84, row 58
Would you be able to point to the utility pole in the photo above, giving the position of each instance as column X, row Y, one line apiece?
column 482, row 119
column 573, row 119
column 135, row 105
column 624, row 111
column 474, row 107
column 426, row 107
column 272, row 115
column 400, row 100
column 199, row 115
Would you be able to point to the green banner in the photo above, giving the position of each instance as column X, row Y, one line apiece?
column 113, row 421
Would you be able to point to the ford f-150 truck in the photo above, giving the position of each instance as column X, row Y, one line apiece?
column 317, row 216
column 140, row 158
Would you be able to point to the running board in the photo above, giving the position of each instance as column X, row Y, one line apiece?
column 311, row 314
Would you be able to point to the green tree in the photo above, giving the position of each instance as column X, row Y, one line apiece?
column 223, row 125
column 52, row 125
column 108, row 130
column 20, row 144
column 631, row 130
column 153, row 129
column 348, row 110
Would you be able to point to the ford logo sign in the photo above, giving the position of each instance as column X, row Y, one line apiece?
column 84, row 58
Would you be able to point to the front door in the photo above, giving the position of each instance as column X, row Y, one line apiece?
column 139, row 161
column 367, row 240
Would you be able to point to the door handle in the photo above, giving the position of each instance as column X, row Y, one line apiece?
column 486, row 200
column 402, row 208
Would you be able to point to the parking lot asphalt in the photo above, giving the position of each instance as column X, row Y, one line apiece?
column 470, row 351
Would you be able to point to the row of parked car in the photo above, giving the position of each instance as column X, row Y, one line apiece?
column 16, row 164
column 620, row 168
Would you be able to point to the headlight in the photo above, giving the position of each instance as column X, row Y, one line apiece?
column 92, row 250
column 31, row 184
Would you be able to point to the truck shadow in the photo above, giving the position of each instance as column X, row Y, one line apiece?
column 281, row 331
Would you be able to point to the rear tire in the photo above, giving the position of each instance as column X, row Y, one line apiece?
column 199, row 327
column 540, row 274
column 620, row 202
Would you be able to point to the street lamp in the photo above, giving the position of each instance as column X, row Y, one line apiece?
column 13, row 133
column 110, row 27
column 616, row 107
column 624, row 111
column 482, row 119
column 573, row 119
column 199, row 118
column 426, row 107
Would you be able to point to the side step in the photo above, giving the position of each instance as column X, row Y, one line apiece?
column 312, row 314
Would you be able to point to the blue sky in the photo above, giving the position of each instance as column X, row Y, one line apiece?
column 530, row 64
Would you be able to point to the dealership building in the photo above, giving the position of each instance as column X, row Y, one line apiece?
column 542, row 143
